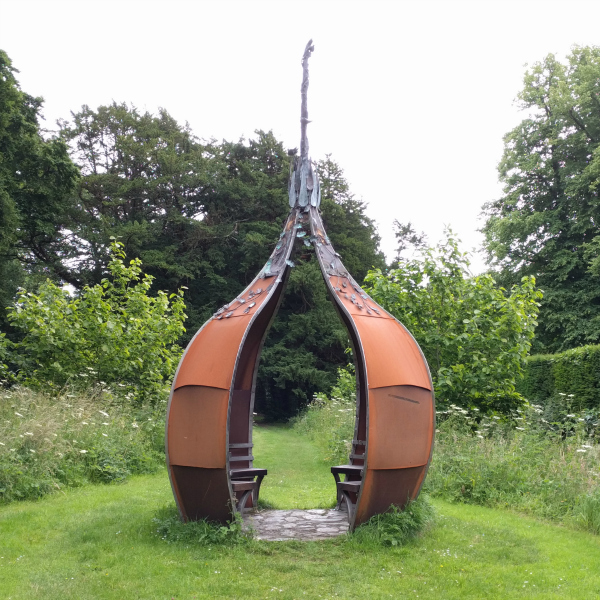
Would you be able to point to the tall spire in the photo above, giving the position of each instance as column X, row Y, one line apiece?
column 304, row 102
column 304, row 189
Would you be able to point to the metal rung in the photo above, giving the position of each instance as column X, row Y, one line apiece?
column 236, row 458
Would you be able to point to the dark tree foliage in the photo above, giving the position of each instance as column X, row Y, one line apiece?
column 203, row 215
column 547, row 223
column 36, row 179
column 199, row 214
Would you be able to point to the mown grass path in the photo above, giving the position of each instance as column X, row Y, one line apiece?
column 100, row 542
column 298, row 477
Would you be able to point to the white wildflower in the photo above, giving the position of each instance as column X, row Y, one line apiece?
column 570, row 416
column 571, row 396
column 83, row 452
column 105, row 434
column 32, row 451
column 83, row 423
column 134, row 425
column 2, row 444
column 520, row 428
column 18, row 414
column 480, row 437
column 581, row 450
column 585, row 446
column 103, row 413
column 497, row 418
column 561, row 394
column 105, row 423
column 28, row 433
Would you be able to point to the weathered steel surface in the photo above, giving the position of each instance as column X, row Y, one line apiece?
column 209, row 416
column 395, row 404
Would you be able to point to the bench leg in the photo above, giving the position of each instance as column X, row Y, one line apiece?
column 340, row 497
column 351, row 506
column 255, row 492
column 244, row 499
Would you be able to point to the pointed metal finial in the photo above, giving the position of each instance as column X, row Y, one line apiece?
column 304, row 190
column 304, row 105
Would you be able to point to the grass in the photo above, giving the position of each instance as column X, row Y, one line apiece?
column 528, row 467
column 298, row 476
column 51, row 443
column 101, row 542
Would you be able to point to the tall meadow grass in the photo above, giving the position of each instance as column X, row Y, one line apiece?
column 543, row 461
column 50, row 442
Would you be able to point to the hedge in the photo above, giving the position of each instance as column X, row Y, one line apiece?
column 575, row 371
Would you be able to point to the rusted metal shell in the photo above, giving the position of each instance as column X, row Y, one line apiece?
column 209, row 417
column 395, row 415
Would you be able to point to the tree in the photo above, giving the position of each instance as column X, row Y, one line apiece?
column 474, row 334
column 198, row 214
column 113, row 334
column 207, row 215
column 547, row 222
column 36, row 179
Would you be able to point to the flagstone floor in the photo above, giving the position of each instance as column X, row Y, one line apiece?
column 306, row 525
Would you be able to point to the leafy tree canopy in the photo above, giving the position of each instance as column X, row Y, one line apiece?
column 547, row 222
column 113, row 334
column 197, row 213
column 474, row 334
column 36, row 179
column 206, row 215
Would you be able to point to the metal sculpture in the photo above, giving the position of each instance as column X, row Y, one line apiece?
column 209, row 416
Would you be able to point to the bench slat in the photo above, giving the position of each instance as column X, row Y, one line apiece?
column 238, row 458
column 349, row 486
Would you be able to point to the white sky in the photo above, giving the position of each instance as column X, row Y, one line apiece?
column 411, row 98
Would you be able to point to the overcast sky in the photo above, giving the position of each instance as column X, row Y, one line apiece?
column 410, row 98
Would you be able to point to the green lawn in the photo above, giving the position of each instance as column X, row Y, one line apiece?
column 298, row 477
column 100, row 542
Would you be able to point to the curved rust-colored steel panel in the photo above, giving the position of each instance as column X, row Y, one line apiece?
column 384, row 488
column 198, row 416
column 209, row 415
column 392, row 355
column 395, row 423
column 400, row 427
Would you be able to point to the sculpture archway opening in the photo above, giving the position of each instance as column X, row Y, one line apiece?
column 209, row 416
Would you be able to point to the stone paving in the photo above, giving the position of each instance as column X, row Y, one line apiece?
column 306, row 525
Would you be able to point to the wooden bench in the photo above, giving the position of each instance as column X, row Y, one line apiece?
column 353, row 472
column 246, row 480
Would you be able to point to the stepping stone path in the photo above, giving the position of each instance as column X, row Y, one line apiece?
column 306, row 525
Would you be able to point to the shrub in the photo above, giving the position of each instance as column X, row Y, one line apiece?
column 114, row 333
column 474, row 334
column 396, row 527
column 170, row 528
column 575, row 372
column 48, row 443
